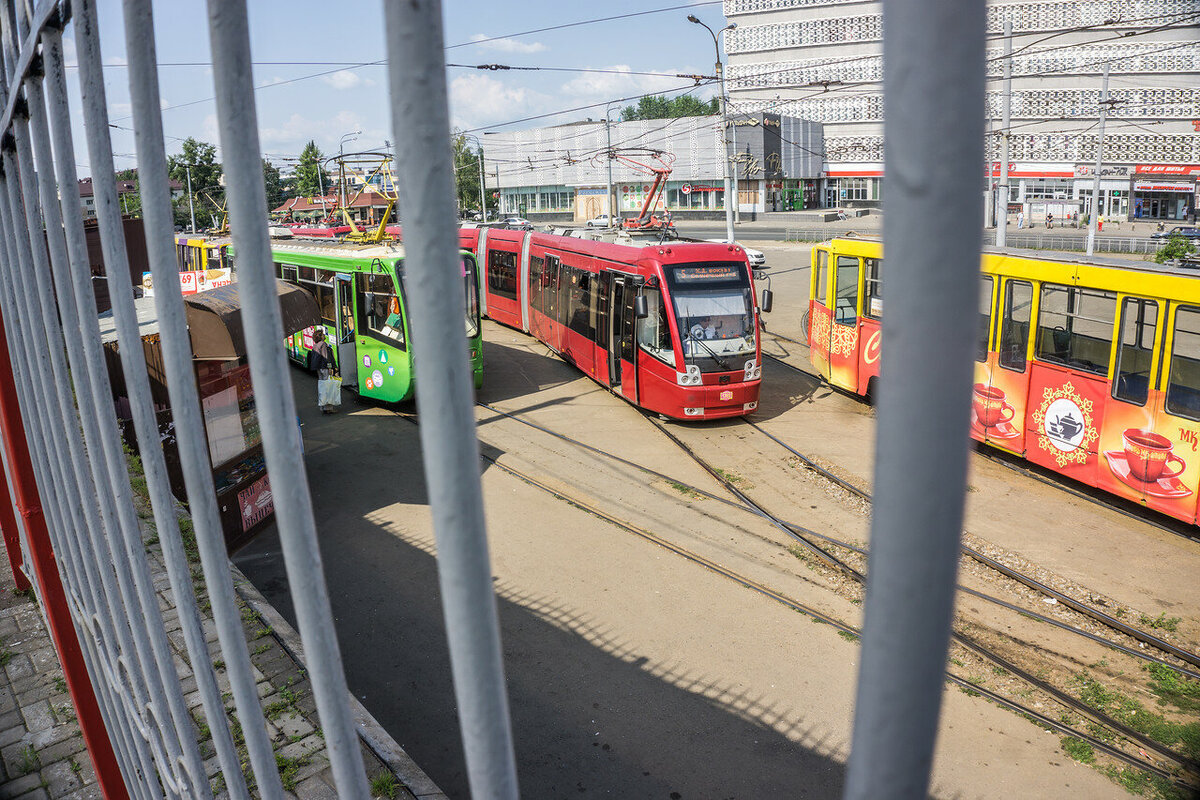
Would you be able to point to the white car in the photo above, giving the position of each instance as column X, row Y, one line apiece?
column 599, row 222
column 757, row 258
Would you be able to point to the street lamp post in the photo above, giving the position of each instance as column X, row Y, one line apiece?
column 191, row 205
column 479, row 158
column 341, row 154
column 729, row 191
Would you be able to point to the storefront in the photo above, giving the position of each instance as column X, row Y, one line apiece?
column 1114, row 189
column 1164, row 191
column 222, row 374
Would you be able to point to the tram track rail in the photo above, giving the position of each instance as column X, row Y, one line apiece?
column 591, row 506
column 1137, row 738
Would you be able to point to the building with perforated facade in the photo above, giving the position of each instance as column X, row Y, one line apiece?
column 822, row 60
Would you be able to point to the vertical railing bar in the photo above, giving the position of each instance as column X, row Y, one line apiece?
column 934, row 110
column 138, row 389
column 67, row 428
column 181, row 384
column 421, row 120
column 261, row 322
column 34, row 410
column 106, row 460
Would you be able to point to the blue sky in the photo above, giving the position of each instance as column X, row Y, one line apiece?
column 330, row 96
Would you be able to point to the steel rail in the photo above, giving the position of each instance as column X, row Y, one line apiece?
column 1061, row 696
column 1099, row 744
column 801, row 530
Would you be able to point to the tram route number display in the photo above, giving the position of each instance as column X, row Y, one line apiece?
column 696, row 274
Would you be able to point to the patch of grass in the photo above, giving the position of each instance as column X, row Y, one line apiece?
column 5, row 657
column 262, row 648
column 60, row 683
column 76, row 767
column 848, row 636
column 263, row 631
column 686, row 491
column 1131, row 712
column 288, row 769
column 384, row 785
column 732, row 478
column 1078, row 749
column 1173, row 688
column 30, row 761
column 999, row 671
column 1161, row 622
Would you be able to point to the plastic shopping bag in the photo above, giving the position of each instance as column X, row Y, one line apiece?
column 330, row 391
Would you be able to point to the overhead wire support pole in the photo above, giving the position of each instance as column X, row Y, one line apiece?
column 1094, row 216
column 934, row 111
column 420, row 117
column 1002, row 191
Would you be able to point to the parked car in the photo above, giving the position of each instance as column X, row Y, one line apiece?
column 757, row 258
column 519, row 223
column 1186, row 231
column 599, row 222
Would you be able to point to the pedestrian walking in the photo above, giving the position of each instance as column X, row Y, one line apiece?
column 1020, row 220
column 329, row 384
column 1049, row 220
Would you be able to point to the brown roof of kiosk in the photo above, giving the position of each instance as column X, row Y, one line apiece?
column 214, row 319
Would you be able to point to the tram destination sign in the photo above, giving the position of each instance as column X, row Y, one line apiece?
column 711, row 273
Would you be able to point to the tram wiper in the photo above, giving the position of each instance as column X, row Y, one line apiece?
column 720, row 361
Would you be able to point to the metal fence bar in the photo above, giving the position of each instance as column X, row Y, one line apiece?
column 133, row 366
column 261, row 321
column 181, row 384
column 933, row 94
column 421, row 120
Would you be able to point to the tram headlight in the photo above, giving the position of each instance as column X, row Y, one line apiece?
column 689, row 378
column 693, row 412
column 752, row 370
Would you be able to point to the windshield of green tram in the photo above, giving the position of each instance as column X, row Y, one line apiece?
column 715, row 312
column 472, row 285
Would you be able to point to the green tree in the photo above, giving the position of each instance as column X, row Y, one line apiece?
column 466, row 173
column 311, row 177
column 273, row 184
column 657, row 106
column 200, row 159
column 1176, row 247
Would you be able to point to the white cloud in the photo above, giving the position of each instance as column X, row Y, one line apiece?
column 507, row 45
column 343, row 79
column 619, row 83
column 480, row 100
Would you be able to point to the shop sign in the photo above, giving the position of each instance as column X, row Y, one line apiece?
column 1184, row 170
column 685, row 189
column 256, row 503
column 1144, row 186
column 1089, row 170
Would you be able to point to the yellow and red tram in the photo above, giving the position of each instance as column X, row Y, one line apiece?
column 1086, row 366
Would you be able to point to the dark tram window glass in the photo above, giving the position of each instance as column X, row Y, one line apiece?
column 873, row 288
column 603, row 287
column 537, row 266
column 820, row 275
column 1139, row 321
column 846, row 309
column 985, row 317
column 325, row 299
column 502, row 273
column 1075, row 327
column 1183, row 382
column 578, row 320
column 627, row 322
column 288, row 273
column 307, row 274
column 1014, row 329
column 380, row 307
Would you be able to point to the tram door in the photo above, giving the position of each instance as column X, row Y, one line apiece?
column 842, row 344
column 819, row 313
column 347, row 357
column 999, row 410
column 621, row 322
column 1177, row 414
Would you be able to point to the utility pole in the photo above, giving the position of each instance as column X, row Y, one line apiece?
column 482, row 199
column 191, row 205
column 1095, row 213
column 730, row 187
column 1002, row 190
column 608, row 200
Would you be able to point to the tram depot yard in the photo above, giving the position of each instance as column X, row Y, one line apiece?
column 637, row 668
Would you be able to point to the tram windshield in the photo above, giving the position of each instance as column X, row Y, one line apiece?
column 472, row 287
column 715, row 313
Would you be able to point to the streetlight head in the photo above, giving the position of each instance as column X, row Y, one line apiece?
column 692, row 18
column 731, row 26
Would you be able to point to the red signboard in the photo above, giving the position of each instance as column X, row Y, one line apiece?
column 256, row 503
column 1184, row 170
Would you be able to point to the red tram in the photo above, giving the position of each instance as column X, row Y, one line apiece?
column 671, row 327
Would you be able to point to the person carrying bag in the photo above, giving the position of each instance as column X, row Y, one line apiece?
column 329, row 382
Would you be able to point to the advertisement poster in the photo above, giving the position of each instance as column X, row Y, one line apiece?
column 256, row 503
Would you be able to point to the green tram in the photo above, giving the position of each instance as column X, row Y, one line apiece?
column 360, row 291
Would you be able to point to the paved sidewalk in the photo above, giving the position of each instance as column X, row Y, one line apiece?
column 42, row 754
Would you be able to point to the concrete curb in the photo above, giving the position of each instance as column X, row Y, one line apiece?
column 378, row 740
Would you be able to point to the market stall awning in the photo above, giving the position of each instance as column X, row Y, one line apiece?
column 214, row 319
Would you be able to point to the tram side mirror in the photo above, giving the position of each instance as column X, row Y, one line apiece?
column 766, row 301
column 641, row 308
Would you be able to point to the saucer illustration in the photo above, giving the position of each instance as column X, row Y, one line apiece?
column 1001, row 430
column 1166, row 488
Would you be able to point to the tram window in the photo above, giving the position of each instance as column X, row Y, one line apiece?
column 818, row 289
column 502, row 273
column 278, row 270
column 627, row 320
column 1014, row 329
column 1075, row 327
column 846, row 308
column 653, row 332
column 325, row 297
column 603, row 285
column 873, row 285
column 985, row 317
column 537, row 265
column 1139, row 321
column 1183, row 383
column 289, row 273
column 380, row 307
column 307, row 274
column 578, row 318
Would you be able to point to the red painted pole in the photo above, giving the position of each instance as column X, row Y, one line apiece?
column 53, row 598
column 12, row 537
